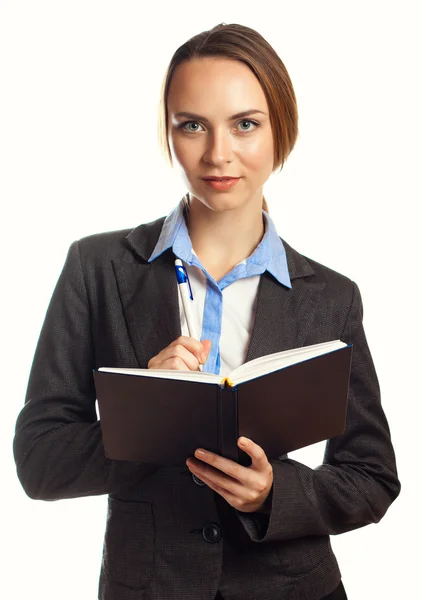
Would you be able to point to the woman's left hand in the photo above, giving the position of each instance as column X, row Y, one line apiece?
column 244, row 488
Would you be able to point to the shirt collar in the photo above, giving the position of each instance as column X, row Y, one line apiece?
column 269, row 255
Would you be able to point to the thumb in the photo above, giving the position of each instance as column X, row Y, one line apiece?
column 207, row 344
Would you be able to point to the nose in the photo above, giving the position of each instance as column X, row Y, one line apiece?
column 219, row 147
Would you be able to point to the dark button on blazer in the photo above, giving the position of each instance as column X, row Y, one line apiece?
column 112, row 308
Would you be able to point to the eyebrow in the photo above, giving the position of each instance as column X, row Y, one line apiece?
column 245, row 113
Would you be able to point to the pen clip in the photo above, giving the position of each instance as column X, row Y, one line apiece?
column 182, row 277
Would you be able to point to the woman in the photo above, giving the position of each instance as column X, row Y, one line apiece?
column 214, row 528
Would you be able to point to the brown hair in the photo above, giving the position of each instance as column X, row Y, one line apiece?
column 244, row 44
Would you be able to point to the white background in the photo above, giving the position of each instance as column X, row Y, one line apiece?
column 79, row 93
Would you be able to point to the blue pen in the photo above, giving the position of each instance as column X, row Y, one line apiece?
column 187, row 298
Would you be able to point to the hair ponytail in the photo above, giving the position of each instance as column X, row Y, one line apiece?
column 265, row 205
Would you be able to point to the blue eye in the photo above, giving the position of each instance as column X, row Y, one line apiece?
column 249, row 121
column 185, row 125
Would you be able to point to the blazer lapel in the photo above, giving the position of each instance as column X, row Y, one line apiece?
column 283, row 315
column 148, row 293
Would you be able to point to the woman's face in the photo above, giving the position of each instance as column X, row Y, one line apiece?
column 209, row 141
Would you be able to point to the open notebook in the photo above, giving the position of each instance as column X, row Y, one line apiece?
column 282, row 401
column 249, row 370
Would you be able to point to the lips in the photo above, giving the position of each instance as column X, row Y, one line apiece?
column 219, row 178
column 222, row 184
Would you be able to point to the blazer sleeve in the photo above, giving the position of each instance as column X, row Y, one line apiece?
column 57, row 444
column 357, row 481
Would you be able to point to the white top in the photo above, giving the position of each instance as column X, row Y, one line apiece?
column 239, row 305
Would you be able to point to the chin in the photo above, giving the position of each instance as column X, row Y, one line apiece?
column 219, row 201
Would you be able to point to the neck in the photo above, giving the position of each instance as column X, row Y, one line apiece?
column 223, row 239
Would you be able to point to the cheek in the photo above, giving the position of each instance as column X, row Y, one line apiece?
column 182, row 152
column 257, row 154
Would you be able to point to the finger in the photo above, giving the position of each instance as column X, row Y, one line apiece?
column 207, row 344
column 257, row 454
column 197, row 348
column 171, row 364
column 228, row 495
column 225, row 465
column 215, row 478
column 178, row 357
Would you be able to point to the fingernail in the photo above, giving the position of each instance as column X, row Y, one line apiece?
column 203, row 358
column 200, row 453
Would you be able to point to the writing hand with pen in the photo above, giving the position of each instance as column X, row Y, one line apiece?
column 247, row 489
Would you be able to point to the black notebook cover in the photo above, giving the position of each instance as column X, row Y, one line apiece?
column 163, row 421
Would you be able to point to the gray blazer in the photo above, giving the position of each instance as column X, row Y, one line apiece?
column 167, row 535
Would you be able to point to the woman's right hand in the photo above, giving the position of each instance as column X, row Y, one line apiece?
column 183, row 354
